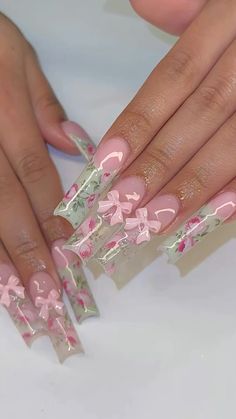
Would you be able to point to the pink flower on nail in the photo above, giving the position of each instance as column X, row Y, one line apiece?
column 113, row 242
column 84, row 299
column 86, row 250
column 195, row 225
column 87, row 227
column 105, row 176
column 91, row 149
column 66, row 286
column 186, row 244
column 27, row 336
column 90, row 200
column 72, row 340
column 72, row 192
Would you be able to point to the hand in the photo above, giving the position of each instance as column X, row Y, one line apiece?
column 30, row 189
column 173, row 147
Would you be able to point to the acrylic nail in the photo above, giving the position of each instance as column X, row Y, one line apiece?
column 14, row 298
column 108, row 218
column 79, row 138
column 95, row 178
column 74, row 282
column 53, row 313
column 158, row 214
column 202, row 223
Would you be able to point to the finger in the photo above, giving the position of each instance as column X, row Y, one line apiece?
column 205, row 110
column 173, row 16
column 16, row 301
column 207, row 173
column 29, row 253
column 66, row 136
column 28, row 155
column 174, row 79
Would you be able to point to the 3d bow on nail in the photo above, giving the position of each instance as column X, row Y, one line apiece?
column 51, row 302
column 10, row 288
column 143, row 225
column 114, row 202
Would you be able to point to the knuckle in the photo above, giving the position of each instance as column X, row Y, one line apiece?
column 194, row 183
column 26, row 249
column 214, row 98
column 32, row 167
column 181, row 66
column 136, row 121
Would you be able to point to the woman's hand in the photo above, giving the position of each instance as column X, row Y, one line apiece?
column 173, row 146
column 30, row 188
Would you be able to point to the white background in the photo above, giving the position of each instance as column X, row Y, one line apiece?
column 165, row 345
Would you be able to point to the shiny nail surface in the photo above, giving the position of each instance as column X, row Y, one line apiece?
column 52, row 311
column 202, row 223
column 21, row 310
column 80, row 138
column 108, row 218
column 152, row 219
column 74, row 282
column 98, row 174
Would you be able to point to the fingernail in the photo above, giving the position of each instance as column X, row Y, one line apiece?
column 21, row 310
column 98, row 174
column 203, row 222
column 79, row 138
column 108, row 218
column 52, row 312
column 74, row 282
column 158, row 214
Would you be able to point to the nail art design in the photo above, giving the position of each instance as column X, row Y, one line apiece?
column 94, row 179
column 108, row 219
column 202, row 223
column 19, row 306
column 74, row 282
column 54, row 315
column 155, row 217
column 80, row 138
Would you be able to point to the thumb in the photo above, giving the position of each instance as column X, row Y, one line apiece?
column 56, row 130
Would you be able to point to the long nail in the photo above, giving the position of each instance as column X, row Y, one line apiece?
column 52, row 312
column 154, row 218
column 203, row 222
column 22, row 312
column 74, row 282
column 108, row 219
column 79, row 138
column 98, row 174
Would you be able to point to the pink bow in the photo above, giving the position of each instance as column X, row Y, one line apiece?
column 11, row 286
column 121, row 207
column 143, row 224
column 50, row 302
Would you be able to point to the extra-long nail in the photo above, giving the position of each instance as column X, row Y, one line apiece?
column 80, row 138
column 108, row 219
column 53, row 313
column 74, row 282
column 154, row 218
column 205, row 221
column 21, row 310
column 98, row 174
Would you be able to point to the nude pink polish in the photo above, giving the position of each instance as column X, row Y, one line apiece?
column 79, row 137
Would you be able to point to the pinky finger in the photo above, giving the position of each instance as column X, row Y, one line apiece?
column 14, row 299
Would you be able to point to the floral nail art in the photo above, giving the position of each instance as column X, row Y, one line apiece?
column 85, row 145
column 100, row 171
column 54, row 316
column 208, row 219
column 19, row 306
column 94, row 231
column 83, row 194
column 74, row 282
